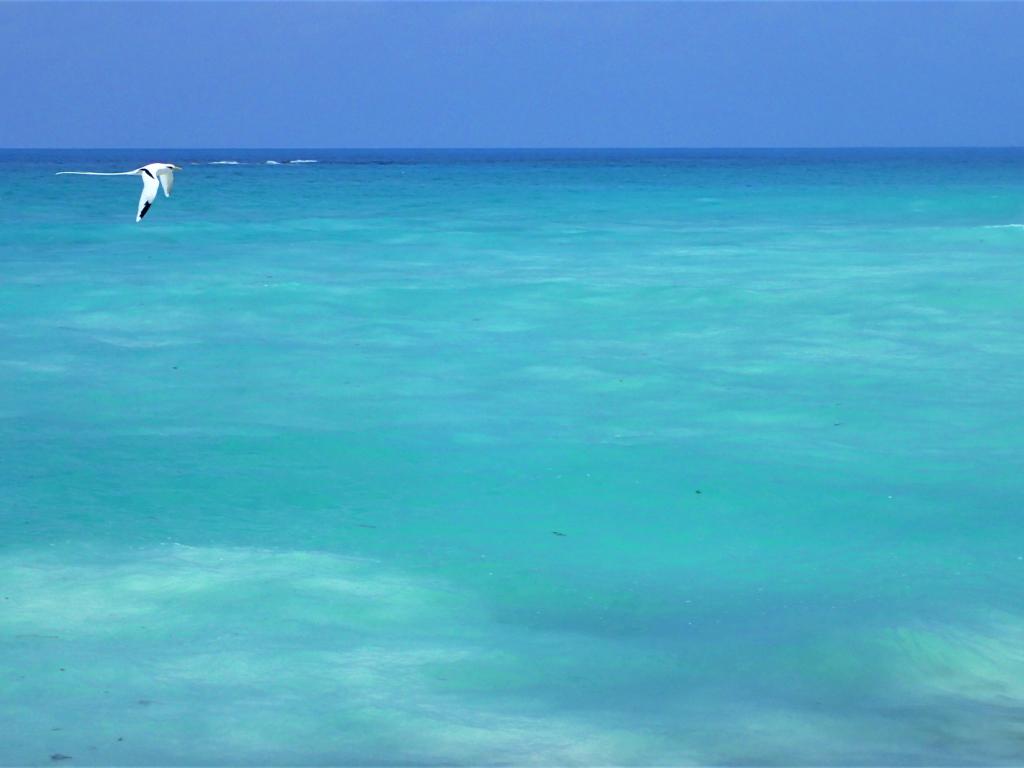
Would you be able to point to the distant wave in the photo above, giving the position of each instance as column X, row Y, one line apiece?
column 1004, row 226
column 303, row 161
column 272, row 162
column 225, row 162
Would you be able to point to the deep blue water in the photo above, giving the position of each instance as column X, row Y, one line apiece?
column 592, row 457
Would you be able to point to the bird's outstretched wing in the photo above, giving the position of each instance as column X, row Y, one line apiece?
column 149, row 189
column 167, row 182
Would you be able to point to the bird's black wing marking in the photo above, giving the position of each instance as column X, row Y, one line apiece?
column 145, row 207
column 146, row 171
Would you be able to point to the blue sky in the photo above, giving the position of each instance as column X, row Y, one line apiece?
column 511, row 74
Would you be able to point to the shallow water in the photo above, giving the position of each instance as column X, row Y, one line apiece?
column 529, row 458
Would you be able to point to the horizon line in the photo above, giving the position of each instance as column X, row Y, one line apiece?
column 530, row 148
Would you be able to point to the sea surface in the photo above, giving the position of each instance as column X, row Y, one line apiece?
column 510, row 458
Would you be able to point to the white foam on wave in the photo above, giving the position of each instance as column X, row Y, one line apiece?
column 1004, row 226
column 272, row 162
column 303, row 161
column 225, row 162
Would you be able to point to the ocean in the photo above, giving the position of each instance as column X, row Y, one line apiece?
column 513, row 457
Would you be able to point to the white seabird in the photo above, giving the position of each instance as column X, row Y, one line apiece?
column 150, row 174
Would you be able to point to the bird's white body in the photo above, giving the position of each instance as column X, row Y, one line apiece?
column 154, row 176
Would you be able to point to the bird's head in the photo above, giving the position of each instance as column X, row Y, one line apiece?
column 174, row 167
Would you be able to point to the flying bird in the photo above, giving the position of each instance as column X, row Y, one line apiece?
column 164, row 172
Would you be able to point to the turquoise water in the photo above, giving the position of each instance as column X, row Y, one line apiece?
column 513, row 458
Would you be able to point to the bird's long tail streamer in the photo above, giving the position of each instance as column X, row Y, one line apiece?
column 94, row 173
